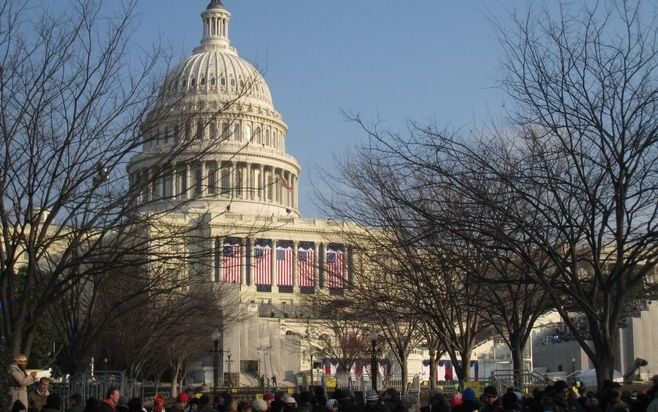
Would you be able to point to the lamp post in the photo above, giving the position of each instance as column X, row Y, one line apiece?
column 374, row 367
column 573, row 365
column 228, row 356
column 216, row 335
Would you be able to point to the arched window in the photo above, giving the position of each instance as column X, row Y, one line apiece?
column 236, row 132
column 238, row 182
column 267, row 135
column 226, row 180
column 212, row 129
column 199, row 130
column 213, row 81
column 258, row 137
column 225, row 131
column 193, row 82
column 188, row 130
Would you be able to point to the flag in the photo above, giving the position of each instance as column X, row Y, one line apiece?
column 286, row 186
column 231, row 261
column 306, row 266
column 335, row 268
column 448, row 370
column 284, row 265
column 262, row 264
column 327, row 367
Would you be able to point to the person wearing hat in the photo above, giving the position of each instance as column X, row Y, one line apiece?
column 373, row 404
column 469, row 402
column 20, row 380
column 259, row 405
column 75, row 403
column 181, row 402
column 560, row 399
column 437, row 402
column 491, row 402
column 331, row 405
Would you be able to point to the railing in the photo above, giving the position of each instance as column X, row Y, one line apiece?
column 97, row 384
column 360, row 384
column 524, row 380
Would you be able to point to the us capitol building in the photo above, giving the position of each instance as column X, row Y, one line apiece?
column 241, row 195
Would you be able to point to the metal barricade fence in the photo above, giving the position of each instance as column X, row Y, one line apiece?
column 96, row 385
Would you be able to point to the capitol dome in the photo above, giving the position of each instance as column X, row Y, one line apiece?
column 216, row 116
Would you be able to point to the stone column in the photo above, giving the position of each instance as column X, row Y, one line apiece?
column 261, row 183
column 275, row 275
column 188, row 181
column 244, row 244
column 295, row 271
column 231, row 179
column 249, row 262
column 316, row 266
column 219, row 249
column 204, row 178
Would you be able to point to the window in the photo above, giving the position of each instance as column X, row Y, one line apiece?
column 226, row 180
column 236, row 132
column 166, row 134
column 225, row 131
column 176, row 133
column 238, row 182
column 258, row 135
column 212, row 180
column 188, row 130
column 199, row 130
column 222, row 81
column 193, row 82
column 198, row 180
column 212, row 130
column 212, row 81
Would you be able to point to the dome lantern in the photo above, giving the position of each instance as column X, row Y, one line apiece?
column 215, row 27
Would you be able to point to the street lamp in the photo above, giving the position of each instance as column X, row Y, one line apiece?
column 573, row 365
column 374, row 367
column 216, row 335
column 228, row 355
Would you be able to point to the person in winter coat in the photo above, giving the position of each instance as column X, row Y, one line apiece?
column 20, row 380
column 469, row 402
column 491, row 401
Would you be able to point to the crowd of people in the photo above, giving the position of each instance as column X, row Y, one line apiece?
column 558, row 397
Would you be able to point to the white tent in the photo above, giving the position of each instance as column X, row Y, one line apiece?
column 588, row 377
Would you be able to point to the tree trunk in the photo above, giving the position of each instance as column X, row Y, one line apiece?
column 517, row 362
column 432, row 368
column 405, row 375
column 464, row 367
column 605, row 366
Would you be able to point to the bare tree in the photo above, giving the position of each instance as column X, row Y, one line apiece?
column 587, row 106
column 75, row 106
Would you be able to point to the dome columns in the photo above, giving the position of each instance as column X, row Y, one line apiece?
column 232, row 180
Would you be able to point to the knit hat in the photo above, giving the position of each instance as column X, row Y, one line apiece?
column 269, row 397
column 289, row 400
column 490, row 392
column 372, row 395
column 182, row 397
column 259, row 405
column 560, row 385
column 468, row 395
column 331, row 403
